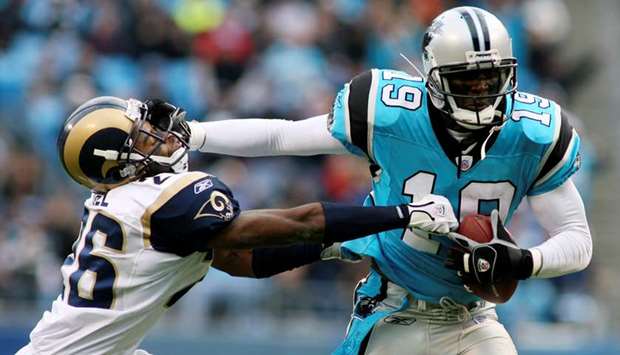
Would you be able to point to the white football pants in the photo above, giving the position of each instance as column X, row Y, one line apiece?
column 417, row 331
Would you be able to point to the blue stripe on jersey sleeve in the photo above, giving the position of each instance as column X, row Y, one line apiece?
column 185, row 223
column 570, row 165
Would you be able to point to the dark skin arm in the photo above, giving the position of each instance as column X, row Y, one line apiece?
column 259, row 228
column 304, row 226
column 235, row 262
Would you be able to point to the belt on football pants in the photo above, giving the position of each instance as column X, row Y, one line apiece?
column 447, row 311
column 421, row 305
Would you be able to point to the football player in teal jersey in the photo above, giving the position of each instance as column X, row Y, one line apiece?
column 461, row 130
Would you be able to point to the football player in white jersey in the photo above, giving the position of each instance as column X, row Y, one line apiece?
column 459, row 129
column 151, row 229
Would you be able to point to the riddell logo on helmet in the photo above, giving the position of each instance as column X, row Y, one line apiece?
column 475, row 57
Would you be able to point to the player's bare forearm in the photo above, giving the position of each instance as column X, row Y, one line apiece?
column 235, row 262
column 272, row 227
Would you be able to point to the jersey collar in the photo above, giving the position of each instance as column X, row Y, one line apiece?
column 461, row 154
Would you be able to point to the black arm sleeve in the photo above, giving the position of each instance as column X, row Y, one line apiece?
column 343, row 222
column 267, row 262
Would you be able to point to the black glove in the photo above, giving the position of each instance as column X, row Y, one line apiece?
column 492, row 262
column 167, row 117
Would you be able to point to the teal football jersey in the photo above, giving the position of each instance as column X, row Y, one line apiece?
column 383, row 115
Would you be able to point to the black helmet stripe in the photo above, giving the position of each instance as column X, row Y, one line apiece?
column 485, row 29
column 472, row 29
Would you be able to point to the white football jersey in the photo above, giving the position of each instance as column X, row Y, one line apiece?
column 141, row 247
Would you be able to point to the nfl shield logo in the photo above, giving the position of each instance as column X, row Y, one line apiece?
column 466, row 162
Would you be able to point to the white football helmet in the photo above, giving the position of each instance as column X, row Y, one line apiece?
column 467, row 57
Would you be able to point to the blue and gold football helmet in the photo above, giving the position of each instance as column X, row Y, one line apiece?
column 97, row 144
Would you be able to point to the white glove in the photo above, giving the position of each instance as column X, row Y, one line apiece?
column 432, row 214
column 335, row 252
column 198, row 135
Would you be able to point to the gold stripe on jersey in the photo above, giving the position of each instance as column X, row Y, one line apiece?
column 92, row 123
column 164, row 197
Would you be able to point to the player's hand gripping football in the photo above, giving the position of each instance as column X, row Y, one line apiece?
column 432, row 214
column 489, row 263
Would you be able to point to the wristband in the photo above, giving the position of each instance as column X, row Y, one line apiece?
column 344, row 222
column 267, row 262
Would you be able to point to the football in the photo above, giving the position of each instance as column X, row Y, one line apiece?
column 478, row 228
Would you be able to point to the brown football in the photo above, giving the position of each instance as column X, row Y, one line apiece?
column 477, row 227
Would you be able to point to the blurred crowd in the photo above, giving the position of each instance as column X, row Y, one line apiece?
column 220, row 59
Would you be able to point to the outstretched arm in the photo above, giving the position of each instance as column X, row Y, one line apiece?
column 265, row 137
column 265, row 262
column 310, row 223
column 335, row 223
column 235, row 262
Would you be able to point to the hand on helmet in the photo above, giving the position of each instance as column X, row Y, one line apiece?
column 166, row 117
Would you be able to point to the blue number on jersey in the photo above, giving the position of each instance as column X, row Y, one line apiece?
column 102, row 294
column 383, row 116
